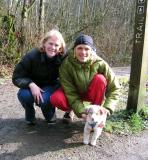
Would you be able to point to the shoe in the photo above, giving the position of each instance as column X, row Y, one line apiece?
column 52, row 120
column 31, row 123
column 68, row 117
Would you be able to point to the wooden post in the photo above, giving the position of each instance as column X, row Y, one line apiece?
column 139, row 64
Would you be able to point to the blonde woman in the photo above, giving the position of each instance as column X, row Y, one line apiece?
column 37, row 76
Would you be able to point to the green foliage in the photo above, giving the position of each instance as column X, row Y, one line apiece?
column 124, row 84
column 111, row 29
column 8, row 30
column 8, row 40
column 144, row 112
column 136, row 123
column 123, row 123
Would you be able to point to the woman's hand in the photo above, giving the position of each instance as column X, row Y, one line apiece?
column 83, row 116
column 36, row 92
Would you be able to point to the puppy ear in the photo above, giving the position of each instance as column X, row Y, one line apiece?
column 103, row 110
column 87, row 110
column 108, row 112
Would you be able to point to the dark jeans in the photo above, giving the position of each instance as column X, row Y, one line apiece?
column 26, row 99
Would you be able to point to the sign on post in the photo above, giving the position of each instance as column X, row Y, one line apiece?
column 139, row 63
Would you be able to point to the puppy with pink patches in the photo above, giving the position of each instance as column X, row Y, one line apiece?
column 95, row 121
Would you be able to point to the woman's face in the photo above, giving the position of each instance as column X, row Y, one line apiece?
column 83, row 53
column 52, row 46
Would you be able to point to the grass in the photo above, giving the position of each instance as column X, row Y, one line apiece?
column 124, row 83
column 122, row 122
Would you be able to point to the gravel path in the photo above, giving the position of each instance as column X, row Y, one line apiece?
column 58, row 142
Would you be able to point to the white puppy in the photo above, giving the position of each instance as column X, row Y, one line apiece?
column 95, row 121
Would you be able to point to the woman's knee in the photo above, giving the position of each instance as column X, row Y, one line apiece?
column 100, row 79
column 57, row 97
column 24, row 95
column 45, row 95
column 59, row 100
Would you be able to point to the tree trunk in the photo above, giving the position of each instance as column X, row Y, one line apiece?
column 24, row 16
column 41, row 18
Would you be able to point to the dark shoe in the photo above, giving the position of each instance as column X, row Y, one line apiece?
column 68, row 117
column 31, row 123
column 52, row 120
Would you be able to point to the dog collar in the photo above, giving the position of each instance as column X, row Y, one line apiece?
column 92, row 124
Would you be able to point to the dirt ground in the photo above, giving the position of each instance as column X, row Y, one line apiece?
column 58, row 142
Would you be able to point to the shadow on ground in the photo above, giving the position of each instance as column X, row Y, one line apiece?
column 34, row 140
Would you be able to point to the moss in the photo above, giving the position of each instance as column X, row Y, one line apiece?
column 122, row 122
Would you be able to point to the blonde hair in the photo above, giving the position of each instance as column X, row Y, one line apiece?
column 48, row 35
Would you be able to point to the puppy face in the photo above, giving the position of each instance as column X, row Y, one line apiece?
column 95, row 121
column 94, row 113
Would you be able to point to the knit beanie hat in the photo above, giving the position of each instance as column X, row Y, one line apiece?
column 84, row 39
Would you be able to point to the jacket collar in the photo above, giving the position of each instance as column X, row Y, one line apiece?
column 43, row 58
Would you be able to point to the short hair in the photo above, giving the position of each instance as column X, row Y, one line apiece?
column 51, row 33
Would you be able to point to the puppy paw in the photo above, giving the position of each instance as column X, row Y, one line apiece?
column 86, row 142
column 93, row 143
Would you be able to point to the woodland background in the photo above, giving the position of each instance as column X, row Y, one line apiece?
column 109, row 22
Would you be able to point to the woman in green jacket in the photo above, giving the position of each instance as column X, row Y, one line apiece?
column 86, row 79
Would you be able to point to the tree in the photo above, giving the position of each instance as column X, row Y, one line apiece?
column 41, row 16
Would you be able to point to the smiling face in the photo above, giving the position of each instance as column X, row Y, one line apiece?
column 83, row 53
column 52, row 46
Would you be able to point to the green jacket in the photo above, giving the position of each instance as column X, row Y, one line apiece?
column 75, row 78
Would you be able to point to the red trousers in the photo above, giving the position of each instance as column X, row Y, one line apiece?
column 95, row 94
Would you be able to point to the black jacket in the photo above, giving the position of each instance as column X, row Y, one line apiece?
column 36, row 67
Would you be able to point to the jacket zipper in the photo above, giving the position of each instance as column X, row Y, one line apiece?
column 85, row 79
